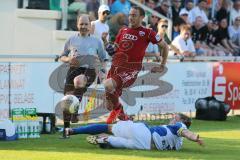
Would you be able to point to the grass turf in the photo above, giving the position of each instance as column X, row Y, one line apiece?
column 222, row 141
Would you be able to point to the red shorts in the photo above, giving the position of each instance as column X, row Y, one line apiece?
column 124, row 77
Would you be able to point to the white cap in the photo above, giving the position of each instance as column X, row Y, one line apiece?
column 183, row 11
column 103, row 8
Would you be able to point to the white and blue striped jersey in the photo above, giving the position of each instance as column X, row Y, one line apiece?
column 168, row 137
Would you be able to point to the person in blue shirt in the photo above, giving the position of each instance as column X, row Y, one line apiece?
column 120, row 6
column 137, row 135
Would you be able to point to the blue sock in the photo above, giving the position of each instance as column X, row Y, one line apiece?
column 91, row 129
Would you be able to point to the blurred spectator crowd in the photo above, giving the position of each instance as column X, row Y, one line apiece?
column 200, row 27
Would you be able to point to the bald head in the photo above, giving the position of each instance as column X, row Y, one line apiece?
column 83, row 25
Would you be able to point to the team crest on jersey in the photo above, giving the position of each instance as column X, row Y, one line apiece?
column 141, row 33
column 158, row 38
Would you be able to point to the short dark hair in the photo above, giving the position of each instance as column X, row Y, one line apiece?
column 185, row 119
column 199, row 1
column 141, row 11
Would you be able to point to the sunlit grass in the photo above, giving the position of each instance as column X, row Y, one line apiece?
column 222, row 141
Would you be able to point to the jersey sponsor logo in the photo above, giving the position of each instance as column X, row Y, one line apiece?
column 141, row 33
column 130, row 37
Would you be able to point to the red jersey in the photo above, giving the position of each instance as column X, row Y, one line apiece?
column 132, row 43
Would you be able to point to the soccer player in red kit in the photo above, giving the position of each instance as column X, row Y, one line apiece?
column 129, row 50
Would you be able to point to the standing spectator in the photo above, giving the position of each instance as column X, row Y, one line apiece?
column 120, row 6
column 164, row 8
column 92, row 6
column 199, row 10
column 176, row 7
column 235, row 11
column 100, row 28
column 184, row 43
column 82, row 52
column 224, row 11
column 234, row 31
column 116, row 22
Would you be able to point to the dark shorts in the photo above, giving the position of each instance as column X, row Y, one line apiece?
column 73, row 72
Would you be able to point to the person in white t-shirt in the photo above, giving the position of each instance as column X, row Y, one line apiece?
column 199, row 11
column 184, row 43
column 100, row 28
column 138, row 135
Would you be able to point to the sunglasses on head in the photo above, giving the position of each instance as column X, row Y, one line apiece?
column 106, row 12
column 164, row 26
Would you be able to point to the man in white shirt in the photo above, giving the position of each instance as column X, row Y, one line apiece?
column 198, row 11
column 184, row 43
column 100, row 28
column 235, row 11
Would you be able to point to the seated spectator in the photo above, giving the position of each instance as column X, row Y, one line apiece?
column 176, row 7
column 78, row 6
column 199, row 10
column 184, row 43
column 210, row 39
column 188, row 6
column 153, row 22
column 164, row 8
column 198, row 29
column 223, row 38
column 162, row 31
column 151, row 4
column 120, row 6
column 176, row 27
column 184, row 16
column 224, row 11
column 116, row 22
column 152, row 51
column 235, row 11
column 234, row 31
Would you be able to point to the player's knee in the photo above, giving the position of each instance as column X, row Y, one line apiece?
column 109, row 85
column 80, row 81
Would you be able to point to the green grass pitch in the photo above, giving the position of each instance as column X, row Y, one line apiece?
column 222, row 141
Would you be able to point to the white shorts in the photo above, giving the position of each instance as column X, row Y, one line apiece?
column 133, row 135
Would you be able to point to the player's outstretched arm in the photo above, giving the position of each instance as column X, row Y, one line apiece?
column 192, row 137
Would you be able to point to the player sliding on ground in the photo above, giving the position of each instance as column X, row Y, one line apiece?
column 132, row 135
column 128, row 51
